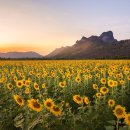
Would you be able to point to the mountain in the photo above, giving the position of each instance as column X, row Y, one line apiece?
column 55, row 52
column 104, row 46
column 20, row 55
column 107, row 37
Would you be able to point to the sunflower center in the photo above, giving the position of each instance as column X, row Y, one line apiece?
column 111, row 83
column 56, row 109
column 36, row 86
column 98, row 94
column 62, row 84
column 111, row 102
column 104, row 89
column 78, row 98
column 36, row 105
column 19, row 84
column 119, row 111
column 10, row 86
column 19, row 100
column 49, row 104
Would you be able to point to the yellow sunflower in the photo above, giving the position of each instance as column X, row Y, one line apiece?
column 103, row 80
column 115, row 83
column 104, row 90
column 9, row 86
column 18, row 100
column 119, row 112
column 86, row 100
column 55, row 110
column 27, row 83
column 95, row 86
column 19, row 83
column 38, row 75
column 36, row 86
column 78, row 99
column 122, row 82
column 35, row 105
column 128, row 77
column 98, row 95
column 43, row 85
column 15, row 78
column 48, row 103
column 127, row 119
column 62, row 84
column 110, row 83
column 97, row 75
column 111, row 102
column 27, row 91
column 77, row 79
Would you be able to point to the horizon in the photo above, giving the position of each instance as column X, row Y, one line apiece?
column 43, row 26
column 57, row 48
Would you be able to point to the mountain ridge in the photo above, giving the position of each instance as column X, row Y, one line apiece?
column 104, row 46
column 20, row 55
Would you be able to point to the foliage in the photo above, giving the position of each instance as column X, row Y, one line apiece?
column 60, row 95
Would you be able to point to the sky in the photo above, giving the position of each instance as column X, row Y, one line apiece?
column 43, row 25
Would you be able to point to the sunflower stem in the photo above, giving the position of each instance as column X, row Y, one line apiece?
column 117, row 124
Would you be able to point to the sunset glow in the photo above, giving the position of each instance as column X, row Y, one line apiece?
column 43, row 25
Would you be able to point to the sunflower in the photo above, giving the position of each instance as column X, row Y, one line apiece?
column 30, row 72
column 95, row 86
column 86, row 100
column 98, row 75
column 119, row 112
column 127, row 119
column 23, row 82
column 27, row 91
column 18, row 100
column 48, row 103
column 19, row 83
column 38, row 75
column 115, row 83
column 86, row 77
column 110, row 83
column 55, row 110
column 43, row 85
column 15, row 78
column 122, row 82
column 27, row 83
column 111, row 102
column 35, row 105
column 77, row 79
column 98, row 95
column 104, row 90
column 36, row 86
column 9, row 86
column 103, row 80
column 78, row 99
column 128, row 77
column 62, row 84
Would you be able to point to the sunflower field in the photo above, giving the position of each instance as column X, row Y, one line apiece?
column 65, row 94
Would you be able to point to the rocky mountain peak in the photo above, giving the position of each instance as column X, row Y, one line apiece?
column 107, row 37
column 83, row 38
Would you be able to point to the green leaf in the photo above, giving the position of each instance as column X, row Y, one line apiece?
column 112, row 122
column 109, row 127
column 124, row 128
